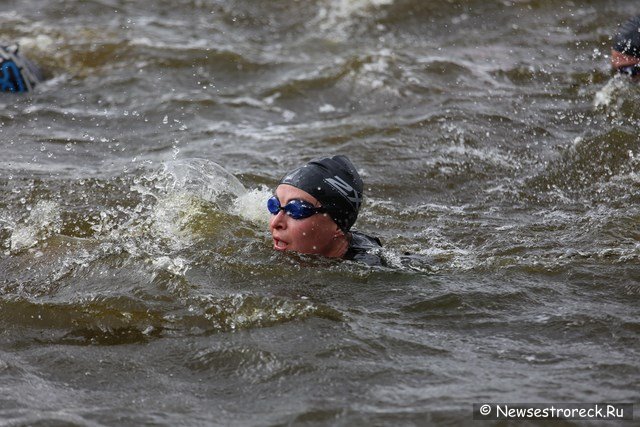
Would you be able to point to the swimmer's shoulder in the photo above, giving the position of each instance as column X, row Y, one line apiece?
column 364, row 248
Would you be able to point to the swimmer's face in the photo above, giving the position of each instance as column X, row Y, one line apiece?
column 312, row 235
column 625, row 64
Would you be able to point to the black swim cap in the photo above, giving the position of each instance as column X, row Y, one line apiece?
column 335, row 182
column 17, row 73
column 627, row 39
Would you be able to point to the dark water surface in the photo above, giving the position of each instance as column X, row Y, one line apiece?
column 137, row 281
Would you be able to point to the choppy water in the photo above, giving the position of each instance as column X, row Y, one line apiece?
column 137, row 281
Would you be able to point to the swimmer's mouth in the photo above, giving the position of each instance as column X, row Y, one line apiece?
column 279, row 245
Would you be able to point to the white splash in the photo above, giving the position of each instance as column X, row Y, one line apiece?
column 609, row 91
column 44, row 219
column 41, row 42
column 339, row 14
column 177, row 266
column 182, row 190
column 201, row 178
column 251, row 206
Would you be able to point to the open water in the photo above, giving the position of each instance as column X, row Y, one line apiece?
column 138, row 285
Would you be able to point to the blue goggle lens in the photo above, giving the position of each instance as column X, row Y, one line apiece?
column 296, row 209
column 630, row 70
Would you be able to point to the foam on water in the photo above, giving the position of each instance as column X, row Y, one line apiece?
column 339, row 15
column 43, row 221
column 41, row 42
column 251, row 206
column 182, row 203
column 182, row 192
column 199, row 177
column 241, row 311
column 611, row 91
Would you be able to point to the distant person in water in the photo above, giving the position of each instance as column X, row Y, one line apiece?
column 314, row 208
column 17, row 73
column 625, row 52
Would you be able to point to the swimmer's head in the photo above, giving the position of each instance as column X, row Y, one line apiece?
column 335, row 183
column 314, row 206
column 17, row 73
column 625, row 52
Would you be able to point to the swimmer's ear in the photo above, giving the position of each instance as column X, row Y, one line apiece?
column 338, row 233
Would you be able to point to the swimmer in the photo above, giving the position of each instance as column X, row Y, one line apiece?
column 314, row 208
column 17, row 73
column 625, row 53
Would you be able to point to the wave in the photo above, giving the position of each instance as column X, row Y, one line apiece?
column 605, row 167
column 103, row 320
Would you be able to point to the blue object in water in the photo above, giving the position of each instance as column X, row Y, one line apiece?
column 17, row 73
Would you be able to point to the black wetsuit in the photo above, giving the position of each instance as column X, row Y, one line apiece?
column 363, row 248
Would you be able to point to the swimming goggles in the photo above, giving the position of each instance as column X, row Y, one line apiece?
column 296, row 209
column 630, row 70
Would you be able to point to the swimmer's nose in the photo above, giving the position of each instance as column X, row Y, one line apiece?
column 279, row 221
column 619, row 59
